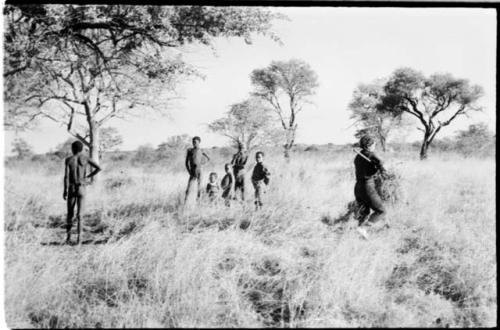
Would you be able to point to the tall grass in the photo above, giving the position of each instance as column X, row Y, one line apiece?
column 213, row 266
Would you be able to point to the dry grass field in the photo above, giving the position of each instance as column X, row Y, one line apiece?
column 147, row 262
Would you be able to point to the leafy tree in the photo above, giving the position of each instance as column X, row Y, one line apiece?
column 144, row 154
column 435, row 101
column 476, row 137
column 247, row 123
column 174, row 145
column 370, row 120
column 83, row 65
column 110, row 138
column 291, row 83
column 21, row 148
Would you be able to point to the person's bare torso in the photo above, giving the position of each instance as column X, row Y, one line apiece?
column 77, row 168
column 194, row 158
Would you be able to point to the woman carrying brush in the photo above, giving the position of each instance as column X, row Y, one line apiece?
column 367, row 165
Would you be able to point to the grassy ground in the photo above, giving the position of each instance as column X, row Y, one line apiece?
column 146, row 262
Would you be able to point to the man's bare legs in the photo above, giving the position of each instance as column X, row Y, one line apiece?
column 72, row 202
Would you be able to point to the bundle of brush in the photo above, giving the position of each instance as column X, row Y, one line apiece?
column 388, row 185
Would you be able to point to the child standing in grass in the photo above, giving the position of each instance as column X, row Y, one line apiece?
column 367, row 164
column 239, row 161
column 212, row 186
column 75, row 180
column 227, row 184
column 260, row 178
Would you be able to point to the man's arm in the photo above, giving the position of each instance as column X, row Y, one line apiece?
column 187, row 162
column 378, row 163
column 66, row 179
column 96, row 167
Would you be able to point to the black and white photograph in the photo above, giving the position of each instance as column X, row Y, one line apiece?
column 249, row 165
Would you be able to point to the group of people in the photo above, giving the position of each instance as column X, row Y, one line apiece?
column 232, row 184
column 366, row 163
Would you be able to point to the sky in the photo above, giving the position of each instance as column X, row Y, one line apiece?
column 344, row 46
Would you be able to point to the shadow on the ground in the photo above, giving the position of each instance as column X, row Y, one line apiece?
column 351, row 212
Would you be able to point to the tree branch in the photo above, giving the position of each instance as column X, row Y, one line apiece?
column 460, row 111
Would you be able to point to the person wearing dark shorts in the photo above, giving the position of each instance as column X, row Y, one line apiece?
column 75, row 180
column 239, row 161
column 367, row 165
column 193, row 165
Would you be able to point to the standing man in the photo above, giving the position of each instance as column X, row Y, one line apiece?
column 75, row 180
column 239, row 161
column 193, row 165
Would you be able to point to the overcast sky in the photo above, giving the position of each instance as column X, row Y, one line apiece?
column 345, row 46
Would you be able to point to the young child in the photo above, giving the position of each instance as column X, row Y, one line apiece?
column 239, row 161
column 212, row 186
column 193, row 165
column 227, row 185
column 75, row 180
column 260, row 177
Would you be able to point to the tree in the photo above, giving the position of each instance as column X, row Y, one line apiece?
column 110, row 139
column 247, row 123
column 476, row 137
column 144, row 154
column 80, row 66
column 291, row 82
column 174, row 145
column 370, row 120
column 176, row 142
column 435, row 101
column 21, row 148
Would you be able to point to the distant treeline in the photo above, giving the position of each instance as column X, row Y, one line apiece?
column 469, row 146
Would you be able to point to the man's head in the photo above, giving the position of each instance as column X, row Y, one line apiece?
column 227, row 168
column 76, row 147
column 196, row 141
column 259, row 156
column 213, row 177
column 367, row 142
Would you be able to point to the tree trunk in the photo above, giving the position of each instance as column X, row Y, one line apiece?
column 287, row 151
column 290, row 139
column 94, row 144
column 425, row 146
column 423, row 151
